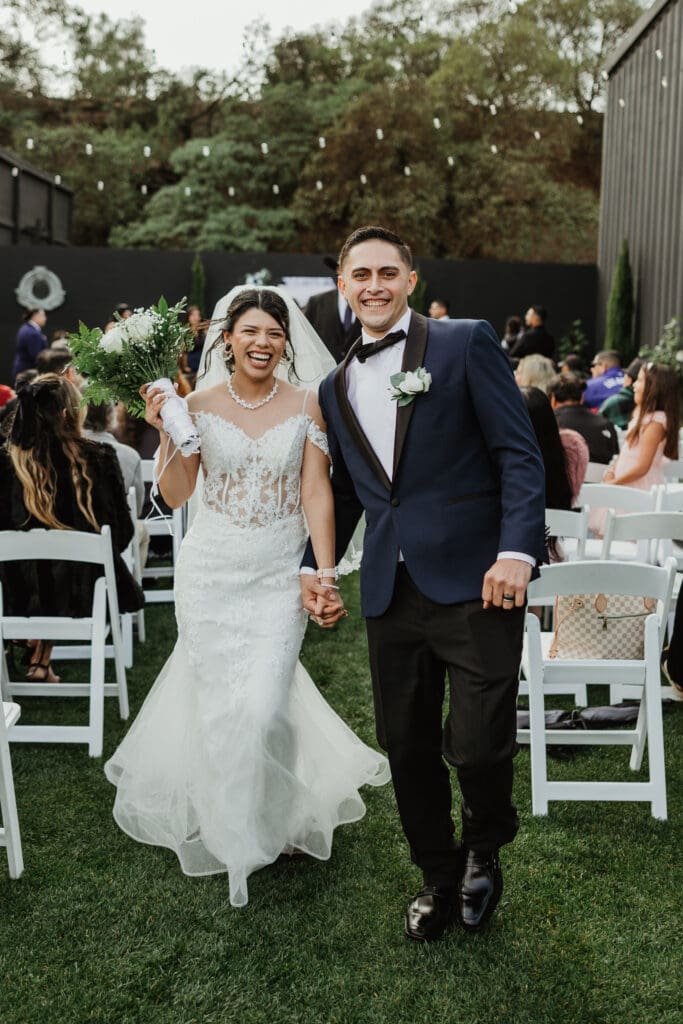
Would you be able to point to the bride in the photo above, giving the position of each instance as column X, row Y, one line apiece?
column 235, row 758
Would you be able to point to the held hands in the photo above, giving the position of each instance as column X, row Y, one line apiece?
column 323, row 603
column 505, row 584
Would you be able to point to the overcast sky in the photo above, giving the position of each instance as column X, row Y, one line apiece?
column 209, row 34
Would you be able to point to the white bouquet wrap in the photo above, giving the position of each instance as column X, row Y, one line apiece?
column 176, row 418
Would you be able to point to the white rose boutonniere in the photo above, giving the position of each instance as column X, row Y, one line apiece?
column 406, row 386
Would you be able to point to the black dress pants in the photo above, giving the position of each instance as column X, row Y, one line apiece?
column 414, row 646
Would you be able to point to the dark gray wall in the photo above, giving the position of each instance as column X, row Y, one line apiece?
column 642, row 172
column 96, row 279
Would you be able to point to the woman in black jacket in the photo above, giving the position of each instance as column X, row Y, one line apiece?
column 52, row 477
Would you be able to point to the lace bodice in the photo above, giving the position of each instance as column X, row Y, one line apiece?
column 254, row 481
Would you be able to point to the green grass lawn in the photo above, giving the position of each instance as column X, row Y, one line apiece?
column 102, row 929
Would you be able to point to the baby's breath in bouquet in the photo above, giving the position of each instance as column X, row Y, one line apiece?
column 143, row 349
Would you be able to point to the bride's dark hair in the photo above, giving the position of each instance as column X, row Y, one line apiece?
column 252, row 298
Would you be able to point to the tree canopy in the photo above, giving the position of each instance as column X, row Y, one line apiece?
column 473, row 128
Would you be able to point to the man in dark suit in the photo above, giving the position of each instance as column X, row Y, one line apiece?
column 331, row 316
column 535, row 338
column 566, row 397
column 451, row 481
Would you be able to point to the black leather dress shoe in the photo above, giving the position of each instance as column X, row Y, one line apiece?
column 430, row 913
column 480, row 888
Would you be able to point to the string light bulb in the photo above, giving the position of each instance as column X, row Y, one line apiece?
column 30, row 143
column 380, row 134
column 264, row 148
column 437, row 123
column 276, row 190
column 231, row 191
column 407, row 171
column 206, row 150
column 88, row 149
column 188, row 191
column 322, row 142
column 100, row 186
column 143, row 189
column 147, row 151
column 319, row 185
column 363, row 179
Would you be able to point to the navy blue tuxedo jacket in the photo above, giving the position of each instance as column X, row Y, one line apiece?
column 467, row 479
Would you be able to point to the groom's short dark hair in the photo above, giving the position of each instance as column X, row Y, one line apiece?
column 370, row 232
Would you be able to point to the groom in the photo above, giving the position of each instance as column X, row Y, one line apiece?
column 453, row 492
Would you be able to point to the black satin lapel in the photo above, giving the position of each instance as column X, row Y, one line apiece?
column 413, row 356
column 352, row 424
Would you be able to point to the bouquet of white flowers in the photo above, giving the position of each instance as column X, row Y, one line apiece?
column 143, row 349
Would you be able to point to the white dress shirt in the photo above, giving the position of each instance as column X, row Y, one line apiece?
column 368, row 385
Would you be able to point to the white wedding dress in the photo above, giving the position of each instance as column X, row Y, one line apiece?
column 235, row 757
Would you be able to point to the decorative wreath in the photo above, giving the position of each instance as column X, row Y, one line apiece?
column 46, row 279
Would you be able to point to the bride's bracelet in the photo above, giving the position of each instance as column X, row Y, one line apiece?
column 327, row 574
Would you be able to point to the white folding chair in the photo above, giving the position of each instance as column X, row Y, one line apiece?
column 162, row 526
column 131, row 557
column 673, row 470
column 620, row 499
column 607, row 578
column 67, row 546
column 571, row 526
column 10, row 836
column 595, row 472
column 656, row 533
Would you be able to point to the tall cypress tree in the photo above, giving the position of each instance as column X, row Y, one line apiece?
column 620, row 309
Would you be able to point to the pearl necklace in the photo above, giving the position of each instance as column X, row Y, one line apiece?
column 252, row 405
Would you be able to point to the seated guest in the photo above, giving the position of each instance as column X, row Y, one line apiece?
column 513, row 325
column 30, row 341
column 566, row 394
column 196, row 324
column 619, row 408
column 534, row 339
column 652, row 435
column 439, row 309
column 135, row 432
column 60, row 361
column 59, row 339
column 534, row 371
column 50, row 476
column 559, row 491
column 97, row 426
column 573, row 364
column 608, row 379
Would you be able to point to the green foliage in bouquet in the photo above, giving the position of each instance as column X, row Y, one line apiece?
column 137, row 351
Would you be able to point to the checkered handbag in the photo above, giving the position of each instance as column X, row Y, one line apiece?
column 600, row 626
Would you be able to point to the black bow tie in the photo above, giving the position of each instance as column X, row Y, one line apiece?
column 365, row 351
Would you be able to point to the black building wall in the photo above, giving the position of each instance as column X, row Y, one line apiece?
column 642, row 172
column 34, row 208
column 95, row 280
